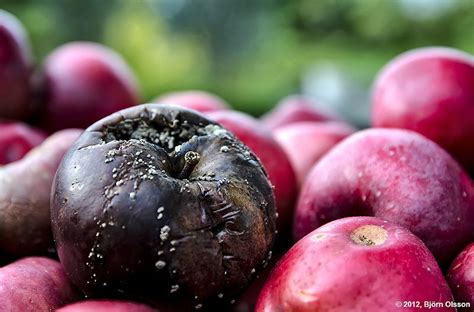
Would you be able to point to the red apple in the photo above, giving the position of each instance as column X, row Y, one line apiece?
column 16, row 63
column 200, row 101
column 17, row 139
column 34, row 284
column 461, row 278
column 83, row 82
column 305, row 142
column 292, row 109
column 106, row 306
column 272, row 156
column 430, row 91
column 397, row 175
column 358, row 264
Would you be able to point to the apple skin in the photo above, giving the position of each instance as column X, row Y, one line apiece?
column 25, row 187
column 106, row 305
column 461, row 278
column 430, row 91
column 16, row 63
column 35, row 284
column 197, row 100
column 280, row 171
column 334, row 268
column 397, row 175
column 17, row 139
column 80, row 83
column 306, row 142
column 294, row 108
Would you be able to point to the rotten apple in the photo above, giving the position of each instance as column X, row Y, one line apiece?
column 158, row 203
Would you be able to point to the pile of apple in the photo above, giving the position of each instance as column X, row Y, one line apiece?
column 186, row 204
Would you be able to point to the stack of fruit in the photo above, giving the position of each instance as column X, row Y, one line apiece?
column 107, row 205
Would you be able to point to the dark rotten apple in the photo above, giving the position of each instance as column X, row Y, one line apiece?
column 159, row 203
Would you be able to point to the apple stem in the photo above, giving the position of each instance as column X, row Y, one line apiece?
column 191, row 159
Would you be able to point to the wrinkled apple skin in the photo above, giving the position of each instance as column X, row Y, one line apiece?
column 106, row 306
column 17, row 139
column 34, row 284
column 25, row 187
column 461, row 278
column 430, row 91
column 82, row 82
column 397, row 175
column 16, row 64
column 327, row 271
column 272, row 156
column 306, row 142
column 197, row 100
column 294, row 108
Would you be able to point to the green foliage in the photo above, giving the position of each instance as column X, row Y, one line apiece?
column 250, row 52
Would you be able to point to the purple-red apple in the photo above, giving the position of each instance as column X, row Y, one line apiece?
column 198, row 100
column 305, row 142
column 294, row 108
column 16, row 64
column 430, row 91
column 358, row 264
column 34, row 284
column 17, row 139
column 397, row 175
column 461, row 278
column 272, row 156
column 25, row 188
column 82, row 82
column 106, row 305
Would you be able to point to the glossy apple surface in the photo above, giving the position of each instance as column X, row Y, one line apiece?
column 430, row 91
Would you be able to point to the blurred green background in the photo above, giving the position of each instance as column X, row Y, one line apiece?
column 252, row 53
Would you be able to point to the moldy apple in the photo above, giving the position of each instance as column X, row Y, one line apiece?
column 157, row 203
